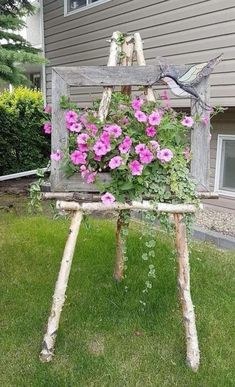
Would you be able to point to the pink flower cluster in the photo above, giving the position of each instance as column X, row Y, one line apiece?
column 112, row 146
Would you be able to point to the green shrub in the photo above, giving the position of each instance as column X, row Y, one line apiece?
column 23, row 143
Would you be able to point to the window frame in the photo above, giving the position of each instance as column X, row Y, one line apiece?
column 218, row 165
column 82, row 9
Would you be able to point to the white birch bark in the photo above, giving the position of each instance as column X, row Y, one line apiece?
column 193, row 354
column 141, row 62
column 146, row 206
column 115, row 50
column 60, row 289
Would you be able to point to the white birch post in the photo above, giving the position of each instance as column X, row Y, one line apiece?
column 193, row 354
column 141, row 62
column 115, row 50
column 49, row 339
column 127, row 60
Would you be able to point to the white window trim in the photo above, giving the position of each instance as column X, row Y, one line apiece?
column 220, row 139
column 68, row 13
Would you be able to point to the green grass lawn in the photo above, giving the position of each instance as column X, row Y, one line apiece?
column 104, row 338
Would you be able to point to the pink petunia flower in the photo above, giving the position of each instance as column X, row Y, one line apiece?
column 84, row 171
column 113, row 130
column 151, row 131
column 115, row 162
column 47, row 127
column 93, row 128
column 154, row 145
column 90, row 178
column 71, row 116
column 155, row 118
column 140, row 148
column 105, row 138
column 136, row 168
column 97, row 158
column 164, row 155
column 140, row 116
column 137, row 103
column 108, row 198
column 206, row 119
column 83, row 119
column 125, row 146
column 57, row 155
column 48, row 109
column 78, row 157
column 187, row 154
column 125, row 121
column 83, row 147
column 187, row 121
column 82, row 138
column 74, row 127
column 164, row 95
column 146, row 156
column 100, row 148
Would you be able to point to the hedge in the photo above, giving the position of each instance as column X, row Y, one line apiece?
column 23, row 143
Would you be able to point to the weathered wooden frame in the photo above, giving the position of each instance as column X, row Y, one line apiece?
column 65, row 77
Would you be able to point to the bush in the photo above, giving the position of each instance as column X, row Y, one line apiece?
column 23, row 143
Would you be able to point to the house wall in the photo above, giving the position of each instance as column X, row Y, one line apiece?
column 33, row 33
column 189, row 31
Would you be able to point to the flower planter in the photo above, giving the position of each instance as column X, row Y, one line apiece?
column 79, row 184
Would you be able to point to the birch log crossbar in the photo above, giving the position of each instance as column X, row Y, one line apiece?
column 78, row 199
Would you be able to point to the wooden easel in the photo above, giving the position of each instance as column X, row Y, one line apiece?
column 69, row 201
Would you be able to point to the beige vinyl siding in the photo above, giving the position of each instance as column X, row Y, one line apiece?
column 189, row 31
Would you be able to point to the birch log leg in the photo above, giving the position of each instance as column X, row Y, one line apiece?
column 193, row 354
column 48, row 345
column 141, row 62
column 127, row 48
column 115, row 50
column 119, row 264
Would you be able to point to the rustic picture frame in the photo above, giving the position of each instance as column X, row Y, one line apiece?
column 65, row 77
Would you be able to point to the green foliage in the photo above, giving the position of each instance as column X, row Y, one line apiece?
column 15, row 51
column 23, row 145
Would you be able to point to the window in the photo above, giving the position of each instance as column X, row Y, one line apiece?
column 35, row 78
column 225, row 165
column 72, row 6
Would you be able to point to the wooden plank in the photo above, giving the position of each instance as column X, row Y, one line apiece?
column 76, row 183
column 108, row 76
column 60, row 135
column 200, row 139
